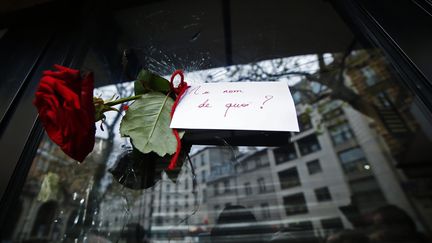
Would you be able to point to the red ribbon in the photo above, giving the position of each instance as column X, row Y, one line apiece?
column 179, row 91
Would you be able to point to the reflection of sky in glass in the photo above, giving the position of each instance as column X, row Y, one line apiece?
column 267, row 70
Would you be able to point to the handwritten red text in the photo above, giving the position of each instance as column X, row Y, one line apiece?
column 197, row 91
column 234, row 105
column 234, row 91
column 205, row 104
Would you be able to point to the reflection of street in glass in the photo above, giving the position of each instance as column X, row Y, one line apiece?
column 237, row 224
column 348, row 236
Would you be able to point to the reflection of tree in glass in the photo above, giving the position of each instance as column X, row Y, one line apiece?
column 325, row 75
column 358, row 78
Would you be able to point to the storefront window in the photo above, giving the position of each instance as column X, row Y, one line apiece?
column 358, row 160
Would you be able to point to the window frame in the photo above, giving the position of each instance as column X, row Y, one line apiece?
column 350, row 165
column 261, row 185
column 323, row 194
column 296, row 209
column 346, row 133
column 248, row 188
column 308, row 166
column 284, row 154
column 289, row 183
column 311, row 147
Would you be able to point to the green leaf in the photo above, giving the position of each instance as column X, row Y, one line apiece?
column 139, row 88
column 148, row 81
column 147, row 123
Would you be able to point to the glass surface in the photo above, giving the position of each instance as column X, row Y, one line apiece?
column 357, row 170
column 2, row 32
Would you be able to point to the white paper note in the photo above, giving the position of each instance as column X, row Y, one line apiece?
column 265, row 106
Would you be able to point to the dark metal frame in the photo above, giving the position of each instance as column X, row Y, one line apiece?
column 374, row 22
column 20, row 131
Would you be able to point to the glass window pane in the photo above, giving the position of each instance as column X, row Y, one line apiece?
column 360, row 160
column 295, row 204
column 351, row 155
column 289, row 178
column 308, row 145
column 285, row 154
column 323, row 194
column 340, row 133
column 314, row 167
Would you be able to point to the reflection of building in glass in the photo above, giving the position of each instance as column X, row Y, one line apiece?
column 254, row 177
column 342, row 158
column 60, row 216
column 390, row 103
column 338, row 160
column 399, row 121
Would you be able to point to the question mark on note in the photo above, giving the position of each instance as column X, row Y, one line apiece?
column 267, row 98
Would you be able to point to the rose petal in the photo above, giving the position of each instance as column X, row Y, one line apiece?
column 65, row 105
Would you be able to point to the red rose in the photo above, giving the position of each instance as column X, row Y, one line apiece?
column 65, row 104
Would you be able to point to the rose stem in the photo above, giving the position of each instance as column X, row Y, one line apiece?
column 122, row 100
